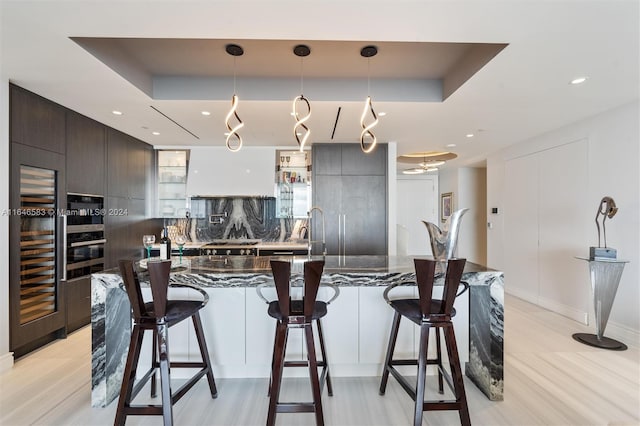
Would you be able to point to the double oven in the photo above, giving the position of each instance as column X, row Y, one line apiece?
column 85, row 241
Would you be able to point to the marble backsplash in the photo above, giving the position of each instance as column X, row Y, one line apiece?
column 241, row 217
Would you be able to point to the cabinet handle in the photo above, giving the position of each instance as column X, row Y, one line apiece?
column 339, row 234
column 64, row 246
column 344, row 234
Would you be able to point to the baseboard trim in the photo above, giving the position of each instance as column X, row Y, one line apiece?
column 624, row 333
column 522, row 294
column 564, row 310
column 6, row 362
column 552, row 305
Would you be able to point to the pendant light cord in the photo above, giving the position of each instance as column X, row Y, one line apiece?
column 234, row 75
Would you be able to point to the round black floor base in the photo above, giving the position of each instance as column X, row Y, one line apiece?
column 604, row 343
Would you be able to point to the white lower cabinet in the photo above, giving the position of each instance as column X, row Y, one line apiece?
column 224, row 321
column 375, row 321
column 240, row 333
column 340, row 327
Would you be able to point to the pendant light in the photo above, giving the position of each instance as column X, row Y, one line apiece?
column 235, row 51
column 368, row 52
column 301, row 51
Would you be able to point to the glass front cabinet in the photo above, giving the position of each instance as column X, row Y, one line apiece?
column 293, row 184
column 173, row 166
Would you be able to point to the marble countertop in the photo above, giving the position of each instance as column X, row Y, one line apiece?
column 333, row 264
column 264, row 245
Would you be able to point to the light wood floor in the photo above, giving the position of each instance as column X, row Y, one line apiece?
column 550, row 380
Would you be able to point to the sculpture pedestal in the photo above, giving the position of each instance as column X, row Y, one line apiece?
column 605, row 276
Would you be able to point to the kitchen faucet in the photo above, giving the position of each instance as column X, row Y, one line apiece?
column 311, row 240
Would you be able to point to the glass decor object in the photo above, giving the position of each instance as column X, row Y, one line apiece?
column 147, row 241
column 180, row 241
column 444, row 241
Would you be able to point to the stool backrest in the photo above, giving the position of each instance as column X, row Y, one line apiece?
column 159, row 281
column 425, row 276
column 282, row 276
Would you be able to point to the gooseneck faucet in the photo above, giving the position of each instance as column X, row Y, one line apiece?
column 311, row 240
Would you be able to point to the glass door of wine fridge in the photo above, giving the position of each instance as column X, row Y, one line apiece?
column 37, row 249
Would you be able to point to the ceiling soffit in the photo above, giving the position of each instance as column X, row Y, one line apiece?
column 200, row 69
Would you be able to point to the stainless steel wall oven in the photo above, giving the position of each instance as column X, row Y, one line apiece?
column 84, row 235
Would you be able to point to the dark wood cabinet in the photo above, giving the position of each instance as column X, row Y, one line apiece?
column 78, row 299
column 125, row 224
column 129, row 163
column 354, row 204
column 117, row 164
column 327, row 159
column 36, row 121
column 129, row 172
column 55, row 151
column 85, row 155
column 357, row 163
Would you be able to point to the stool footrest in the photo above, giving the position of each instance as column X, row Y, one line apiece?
column 303, row 364
column 436, row 405
column 188, row 365
column 144, row 410
column 295, row 407
column 175, row 397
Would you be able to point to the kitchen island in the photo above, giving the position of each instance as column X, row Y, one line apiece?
column 240, row 334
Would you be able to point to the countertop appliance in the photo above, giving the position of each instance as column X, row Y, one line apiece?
column 231, row 247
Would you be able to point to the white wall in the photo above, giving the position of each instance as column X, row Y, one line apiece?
column 6, row 359
column 565, row 174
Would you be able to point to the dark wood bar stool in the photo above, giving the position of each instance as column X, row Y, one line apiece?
column 429, row 313
column 291, row 313
column 157, row 316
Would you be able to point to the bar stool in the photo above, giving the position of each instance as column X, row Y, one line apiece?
column 298, row 314
column 429, row 313
column 157, row 316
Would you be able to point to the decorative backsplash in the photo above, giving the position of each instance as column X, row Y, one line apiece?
column 242, row 217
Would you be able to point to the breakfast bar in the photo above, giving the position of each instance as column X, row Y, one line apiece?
column 240, row 334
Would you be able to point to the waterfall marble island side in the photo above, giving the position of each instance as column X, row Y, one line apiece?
column 240, row 334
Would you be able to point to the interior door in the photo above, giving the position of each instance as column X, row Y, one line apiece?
column 36, row 297
column 417, row 201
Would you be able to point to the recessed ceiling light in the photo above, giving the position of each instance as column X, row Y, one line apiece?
column 155, row 133
column 451, row 145
column 115, row 112
column 205, row 113
column 579, row 80
column 382, row 114
column 469, row 135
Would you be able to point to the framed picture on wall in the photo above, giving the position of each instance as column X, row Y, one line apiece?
column 446, row 205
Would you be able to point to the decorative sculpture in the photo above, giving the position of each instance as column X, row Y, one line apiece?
column 443, row 242
column 607, row 208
